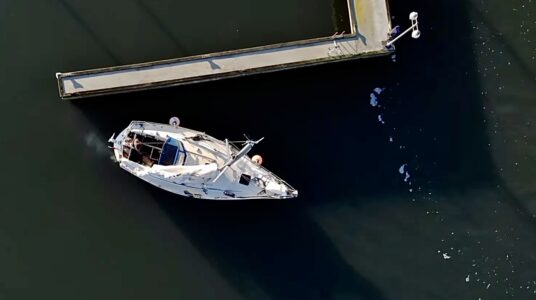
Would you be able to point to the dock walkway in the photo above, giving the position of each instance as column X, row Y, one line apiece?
column 370, row 25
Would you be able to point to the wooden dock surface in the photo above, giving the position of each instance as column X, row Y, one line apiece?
column 370, row 25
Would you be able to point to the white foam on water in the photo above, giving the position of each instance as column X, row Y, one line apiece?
column 378, row 90
column 467, row 278
column 446, row 256
column 390, row 139
column 380, row 119
column 373, row 100
column 97, row 145
column 402, row 169
column 406, row 178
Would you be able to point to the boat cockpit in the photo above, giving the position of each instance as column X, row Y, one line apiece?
column 148, row 150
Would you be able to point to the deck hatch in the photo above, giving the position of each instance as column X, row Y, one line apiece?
column 172, row 151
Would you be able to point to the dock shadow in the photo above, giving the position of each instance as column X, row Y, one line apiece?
column 362, row 38
column 213, row 65
column 76, row 84
column 71, row 9
column 161, row 24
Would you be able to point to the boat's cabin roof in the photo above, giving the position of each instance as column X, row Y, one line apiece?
column 149, row 150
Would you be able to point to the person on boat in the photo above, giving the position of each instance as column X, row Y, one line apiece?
column 134, row 154
column 140, row 157
column 127, row 142
column 137, row 144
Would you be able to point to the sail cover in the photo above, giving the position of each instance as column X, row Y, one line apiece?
column 187, row 173
column 171, row 151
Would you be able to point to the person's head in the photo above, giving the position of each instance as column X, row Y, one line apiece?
column 137, row 143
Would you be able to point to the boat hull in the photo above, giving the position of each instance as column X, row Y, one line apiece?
column 199, row 169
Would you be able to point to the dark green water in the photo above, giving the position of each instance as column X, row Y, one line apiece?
column 459, row 106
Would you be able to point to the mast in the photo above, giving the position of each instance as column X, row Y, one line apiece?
column 248, row 145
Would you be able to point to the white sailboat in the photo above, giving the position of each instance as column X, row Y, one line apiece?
column 193, row 164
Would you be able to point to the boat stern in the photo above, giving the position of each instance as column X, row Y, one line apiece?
column 117, row 143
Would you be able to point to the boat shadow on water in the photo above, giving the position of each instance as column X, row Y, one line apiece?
column 332, row 149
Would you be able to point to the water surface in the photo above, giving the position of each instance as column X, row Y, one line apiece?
column 458, row 110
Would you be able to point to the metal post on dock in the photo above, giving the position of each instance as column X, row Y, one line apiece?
column 336, row 46
column 414, row 28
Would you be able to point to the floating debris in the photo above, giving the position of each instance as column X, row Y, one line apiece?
column 446, row 256
column 467, row 278
column 380, row 119
column 378, row 90
column 373, row 100
column 390, row 139
column 402, row 169
column 406, row 178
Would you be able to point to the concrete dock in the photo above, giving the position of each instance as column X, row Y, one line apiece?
column 370, row 25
